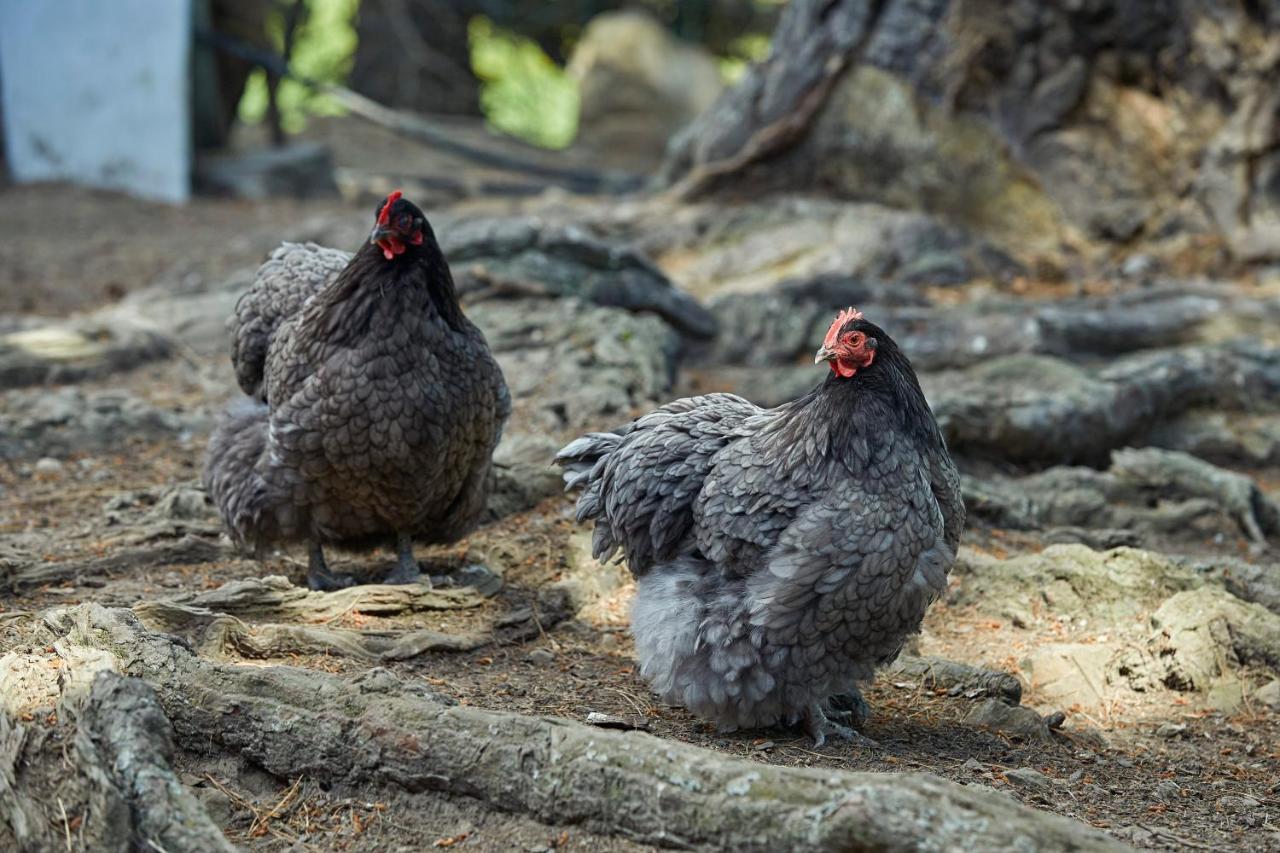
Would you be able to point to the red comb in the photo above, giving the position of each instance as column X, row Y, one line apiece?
column 384, row 215
column 846, row 316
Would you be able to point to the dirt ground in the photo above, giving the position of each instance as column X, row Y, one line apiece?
column 68, row 250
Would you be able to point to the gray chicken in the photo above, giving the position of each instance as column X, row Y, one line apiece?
column 780, row 555
column 376, row 405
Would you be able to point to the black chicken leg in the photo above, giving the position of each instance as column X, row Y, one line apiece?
column 407, row 569
column 818, row 726
column 318, row 575
column 850, row 708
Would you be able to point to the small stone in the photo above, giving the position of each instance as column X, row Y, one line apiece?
column 48, row 467
column 1018, row 721
column 1169, row 731
column 1124, row 762
column 479, row 577
column 1269, row 694
column 1135, row 834
column 541, row 657
column 1136, row 266
column 1025, row 777
column 1092, row 737
column 217, row 804
column 763, row 746
column 973, row 765
column 611, row 721
column 1232, row 804
column 1168, row 790
column 1076, row 776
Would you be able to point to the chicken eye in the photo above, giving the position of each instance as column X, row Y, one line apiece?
column 856, row 339
column 403, row 221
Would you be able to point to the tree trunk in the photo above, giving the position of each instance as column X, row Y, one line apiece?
column 1100, row 120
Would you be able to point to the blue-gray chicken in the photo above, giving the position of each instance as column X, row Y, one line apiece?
column 375, row 403
column 781, row 555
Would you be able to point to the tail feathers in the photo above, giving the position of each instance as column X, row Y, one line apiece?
column 231, row 476
column 584, row 457
column 584, row 460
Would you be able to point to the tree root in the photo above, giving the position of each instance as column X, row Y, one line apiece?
column 374, row 729
column 1044, row 411
column 959, row 678
column 189, row 550
column 1145, row 491
column 275, row 597
column 219, row 636
column 108, row 784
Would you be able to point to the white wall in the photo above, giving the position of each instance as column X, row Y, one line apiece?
column 97, row 92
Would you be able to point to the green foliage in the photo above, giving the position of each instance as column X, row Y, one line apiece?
column 323, row 46
column 523, row 92
column 744, row 51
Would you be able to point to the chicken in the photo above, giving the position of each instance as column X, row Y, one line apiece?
column 780, row 555
column 375, row 404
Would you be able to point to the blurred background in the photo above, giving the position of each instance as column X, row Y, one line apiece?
column 1067, row 214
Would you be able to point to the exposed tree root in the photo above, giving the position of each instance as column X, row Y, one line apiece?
column 105, row 784
column 217, row 635
column 275, row 597
column 1042, row 411
column 1145, row 491
column 943, row 674
column 188, row 550
column 374, row 729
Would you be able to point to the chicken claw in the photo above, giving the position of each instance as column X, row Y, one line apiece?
column 849, row 708
column 319, row 577
column 818, row 726
column 407, row 569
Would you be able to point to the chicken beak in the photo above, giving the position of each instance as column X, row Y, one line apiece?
column 381, row 232
column 824, row 354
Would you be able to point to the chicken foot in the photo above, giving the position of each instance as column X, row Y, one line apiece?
column 319, row 577
column 849, row 707
column 407, row 569
column 817, row 726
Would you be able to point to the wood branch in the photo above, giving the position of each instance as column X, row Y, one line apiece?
column 377, row 730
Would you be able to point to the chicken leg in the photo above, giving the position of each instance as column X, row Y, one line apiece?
column 318, row 575
column 407, row 569
column 849, row 707
column 818, row 726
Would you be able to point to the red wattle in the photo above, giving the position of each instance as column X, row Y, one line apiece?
column 391, row 246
